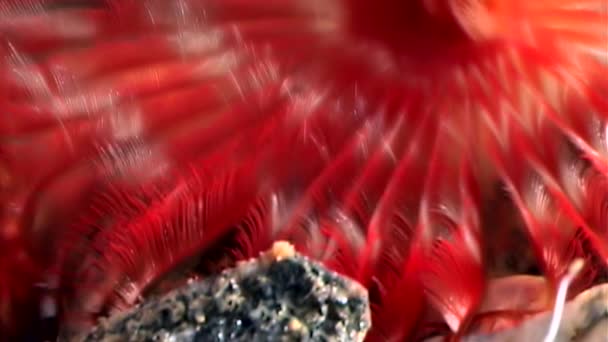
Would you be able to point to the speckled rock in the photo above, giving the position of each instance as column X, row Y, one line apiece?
column 280, row 296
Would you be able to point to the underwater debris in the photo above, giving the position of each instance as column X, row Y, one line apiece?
column 584, row 319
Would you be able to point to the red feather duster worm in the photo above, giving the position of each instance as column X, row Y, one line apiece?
column 434, row 150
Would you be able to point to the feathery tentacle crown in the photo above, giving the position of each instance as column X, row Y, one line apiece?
column 398, row 141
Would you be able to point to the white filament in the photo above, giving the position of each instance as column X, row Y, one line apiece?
column 560, row 300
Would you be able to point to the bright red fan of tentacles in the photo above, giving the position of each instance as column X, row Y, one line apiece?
column 141, row 139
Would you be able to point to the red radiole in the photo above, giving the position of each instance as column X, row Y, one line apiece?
column 433, row 150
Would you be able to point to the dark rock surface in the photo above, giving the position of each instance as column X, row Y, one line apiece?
column 280, row 296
